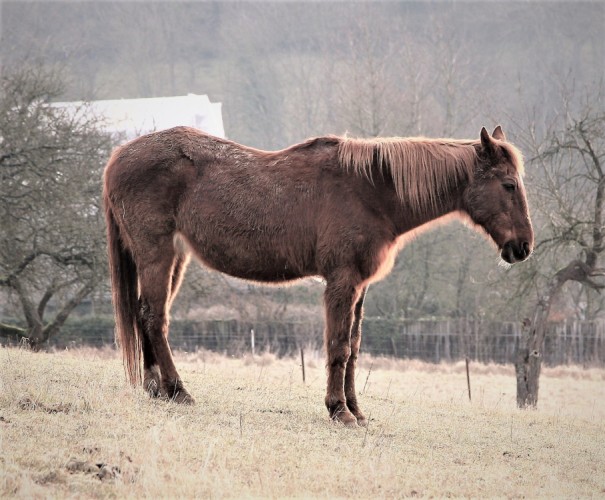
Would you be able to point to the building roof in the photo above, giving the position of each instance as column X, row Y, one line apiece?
column 131, row 118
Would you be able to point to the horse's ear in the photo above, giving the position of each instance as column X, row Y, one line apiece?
column 499, row 134
column 487, row 142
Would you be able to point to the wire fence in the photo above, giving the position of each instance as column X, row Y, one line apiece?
column 570, row 342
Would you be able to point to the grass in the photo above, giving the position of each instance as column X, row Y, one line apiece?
column 70, row 427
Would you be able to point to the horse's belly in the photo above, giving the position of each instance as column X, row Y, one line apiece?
column 248, row 260
column 268, row 271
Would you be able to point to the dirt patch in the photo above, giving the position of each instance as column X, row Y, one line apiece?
column 26, row 403
column 101, row 470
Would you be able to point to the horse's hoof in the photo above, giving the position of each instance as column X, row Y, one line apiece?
column 151, row 387
column 183, row 397
column 362, row 421
column 152, row 381
column 361, row 418
column 175, row 392
column 351, row 424
column 345, row 417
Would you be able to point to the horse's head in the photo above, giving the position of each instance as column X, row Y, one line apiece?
column 495, row 198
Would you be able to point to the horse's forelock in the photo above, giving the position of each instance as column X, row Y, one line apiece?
column 420, row 167
column 515, row 155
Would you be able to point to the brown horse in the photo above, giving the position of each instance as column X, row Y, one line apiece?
column 333, row 207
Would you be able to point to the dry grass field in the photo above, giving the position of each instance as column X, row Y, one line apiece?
column 70, row 427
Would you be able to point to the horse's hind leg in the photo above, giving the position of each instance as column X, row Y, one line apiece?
column 156, row 285
column 352, row 363
column 152, row 377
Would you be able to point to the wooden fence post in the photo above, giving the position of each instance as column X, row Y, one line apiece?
column 468, row 380
column 394, row 347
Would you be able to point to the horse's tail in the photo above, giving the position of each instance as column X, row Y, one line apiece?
column 124, row 282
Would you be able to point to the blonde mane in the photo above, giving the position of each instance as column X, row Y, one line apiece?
column 422, row 169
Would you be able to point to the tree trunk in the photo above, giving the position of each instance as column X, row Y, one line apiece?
column 528, row 361
column 528, row 364
column 35, row 336
column 55, row 325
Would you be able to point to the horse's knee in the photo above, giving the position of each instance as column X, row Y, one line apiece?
column 339, row 354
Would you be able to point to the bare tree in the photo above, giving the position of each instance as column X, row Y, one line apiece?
column 51, row 235
column 567, row 168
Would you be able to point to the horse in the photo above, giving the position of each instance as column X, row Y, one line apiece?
column 333, row 207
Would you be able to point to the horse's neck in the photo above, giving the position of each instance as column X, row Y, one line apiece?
column 428, row 183
column 407, row 218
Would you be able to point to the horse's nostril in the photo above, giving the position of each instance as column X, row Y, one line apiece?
column 515, row 251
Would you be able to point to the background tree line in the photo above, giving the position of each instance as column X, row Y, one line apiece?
column 286, row 71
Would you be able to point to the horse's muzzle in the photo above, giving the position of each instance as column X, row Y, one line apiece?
column 515, row 251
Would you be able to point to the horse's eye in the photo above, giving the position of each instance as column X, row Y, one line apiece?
column 509, row 186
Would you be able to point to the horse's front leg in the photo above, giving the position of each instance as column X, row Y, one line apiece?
column 350, row 393
column 340, row 298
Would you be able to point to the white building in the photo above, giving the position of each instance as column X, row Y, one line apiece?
column 130, row 118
